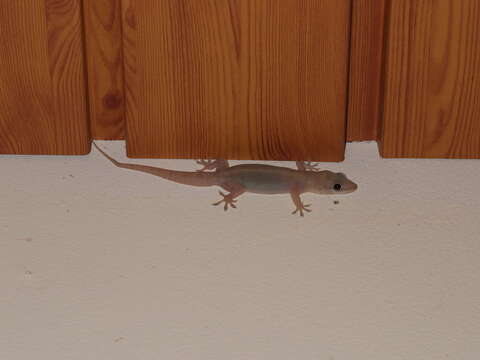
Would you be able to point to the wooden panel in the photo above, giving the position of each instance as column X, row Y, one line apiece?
column 365, row 69
column 432, row 101
column 103, row 22
column 43, row 106
column 241, row 79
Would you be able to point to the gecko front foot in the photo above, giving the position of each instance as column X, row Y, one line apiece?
column 307, row 166
column 228, row 200
column 301, row 208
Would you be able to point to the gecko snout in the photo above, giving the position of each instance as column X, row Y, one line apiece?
column 348, row 188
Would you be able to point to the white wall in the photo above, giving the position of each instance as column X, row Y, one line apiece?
column 102, row 263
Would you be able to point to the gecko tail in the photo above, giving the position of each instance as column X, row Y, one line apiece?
column 181, row 177
column 115, row 162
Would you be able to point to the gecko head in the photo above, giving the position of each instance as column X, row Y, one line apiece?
column 328, row 182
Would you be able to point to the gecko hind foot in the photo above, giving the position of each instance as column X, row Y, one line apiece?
column 300, row 209
column 228, row 200
column 211, row 164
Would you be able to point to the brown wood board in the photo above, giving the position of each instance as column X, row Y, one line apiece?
column 103, row 29
column 241, row 79
column 432, row 80
column 43, row 105
column 367, row 38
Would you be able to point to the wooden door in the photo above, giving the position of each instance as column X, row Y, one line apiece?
column 241, row 79
column 431, row 103
column 43, row 106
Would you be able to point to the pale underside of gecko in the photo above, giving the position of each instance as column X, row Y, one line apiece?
column 253, row 178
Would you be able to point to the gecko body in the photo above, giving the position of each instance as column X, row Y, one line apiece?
column 253, row 178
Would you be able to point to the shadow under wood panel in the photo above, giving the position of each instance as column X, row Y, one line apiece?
column 238, row 79
column 365, row 69
column 43, row 106
column 432, row 80
column 103, row 29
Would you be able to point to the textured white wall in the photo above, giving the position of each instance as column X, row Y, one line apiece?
column 102, row 263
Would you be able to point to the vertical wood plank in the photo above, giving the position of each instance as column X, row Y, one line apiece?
column 432, row 80
column 242, row 79
column 43, row 107
column 103, row 29
column 129, row 43
column 366, row 53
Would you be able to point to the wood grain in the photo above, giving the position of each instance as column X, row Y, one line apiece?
column 238, row 79
column 103, row 25
column 43, row 107
column 366, row 54
column 432, row 80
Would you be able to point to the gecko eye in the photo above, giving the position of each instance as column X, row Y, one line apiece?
column 337, row 187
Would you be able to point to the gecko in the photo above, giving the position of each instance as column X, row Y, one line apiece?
column 253, row 178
